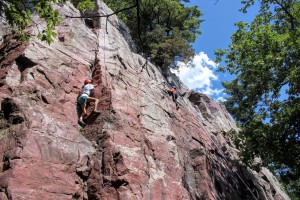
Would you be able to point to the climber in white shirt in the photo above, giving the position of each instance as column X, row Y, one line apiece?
column 84, row 98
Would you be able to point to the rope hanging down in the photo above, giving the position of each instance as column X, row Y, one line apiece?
column 137, row 5
column 139, row 125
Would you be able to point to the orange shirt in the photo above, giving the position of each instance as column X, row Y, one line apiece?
column 173, row 89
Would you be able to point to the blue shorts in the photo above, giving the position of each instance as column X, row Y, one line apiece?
column 82, row 100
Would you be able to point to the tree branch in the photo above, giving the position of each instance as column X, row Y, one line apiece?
column 99, row 16
column 138, row 19
column 288, row 13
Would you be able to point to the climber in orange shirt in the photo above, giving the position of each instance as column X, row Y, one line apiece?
column 174, row 95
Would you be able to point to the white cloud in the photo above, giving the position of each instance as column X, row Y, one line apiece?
column 204, row 60
column 200, row 76
column 221, row 99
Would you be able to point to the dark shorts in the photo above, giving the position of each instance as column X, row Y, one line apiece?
column 82, row 100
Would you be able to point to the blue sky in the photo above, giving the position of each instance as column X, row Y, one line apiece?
column 217, row 28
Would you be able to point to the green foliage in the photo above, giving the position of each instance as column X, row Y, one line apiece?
column 165, row 29
column 19, row 15
column 264, row 96
column 83, row 5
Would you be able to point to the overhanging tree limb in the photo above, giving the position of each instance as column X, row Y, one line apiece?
column 138, row 19
column 137, row 5
column 99, row 16
column 292, row 19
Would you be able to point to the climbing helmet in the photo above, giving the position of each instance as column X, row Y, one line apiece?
column 87, row 81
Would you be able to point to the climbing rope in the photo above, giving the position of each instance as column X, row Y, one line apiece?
column 233, row 171
column 217, row 147
column 139, row 110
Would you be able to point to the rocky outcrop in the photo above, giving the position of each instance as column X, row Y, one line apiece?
column 139, row 147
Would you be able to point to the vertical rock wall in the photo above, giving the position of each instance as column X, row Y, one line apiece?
column 140, row 147
column 41, row 146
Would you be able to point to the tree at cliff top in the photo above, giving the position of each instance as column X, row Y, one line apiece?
column 264, row 96
column 19, row 15
column 164, row 30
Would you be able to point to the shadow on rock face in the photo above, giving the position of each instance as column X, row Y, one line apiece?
column 10, row 112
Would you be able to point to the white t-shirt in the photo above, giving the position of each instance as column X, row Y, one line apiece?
column 86, row 90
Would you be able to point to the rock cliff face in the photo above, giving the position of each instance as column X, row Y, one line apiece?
column 140, row 147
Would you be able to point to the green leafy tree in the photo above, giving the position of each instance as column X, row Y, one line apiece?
column 264, row 96
column 84, row 5
column 19, row 14
column 164, row 30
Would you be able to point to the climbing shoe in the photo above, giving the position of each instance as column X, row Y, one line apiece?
column 81, row 123
column 96, row 111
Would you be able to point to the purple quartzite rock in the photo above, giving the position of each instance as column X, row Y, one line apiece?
column 139, row 147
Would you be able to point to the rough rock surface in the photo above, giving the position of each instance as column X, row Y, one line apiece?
column 140, row 147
